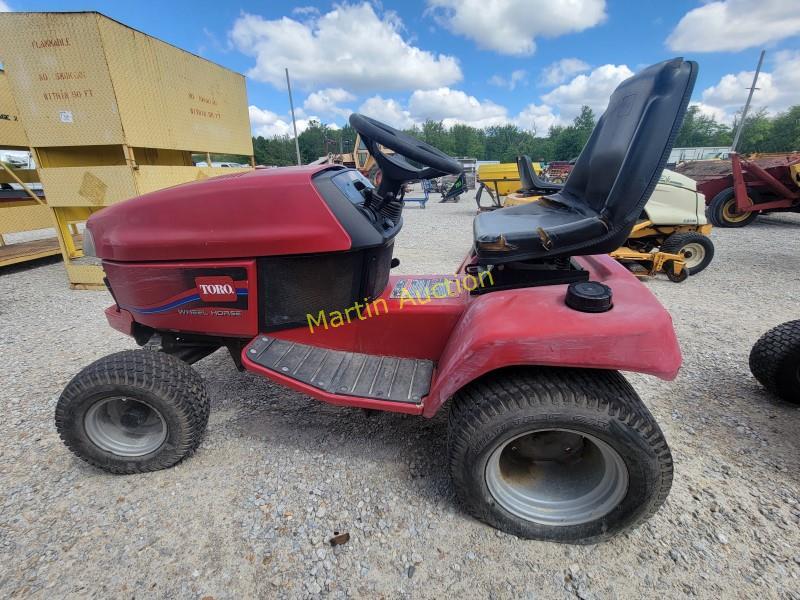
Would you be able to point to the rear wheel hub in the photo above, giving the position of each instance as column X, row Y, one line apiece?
column 557, row 477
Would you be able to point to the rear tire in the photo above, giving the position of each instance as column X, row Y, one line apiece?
column 612, row 443
column 133, row 411
column 697, row 249
column 721, row 211
column 775, row 361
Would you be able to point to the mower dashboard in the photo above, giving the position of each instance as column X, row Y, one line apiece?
column 347, row 193
column 352, row 184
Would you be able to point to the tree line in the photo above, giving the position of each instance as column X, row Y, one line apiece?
column 761, row 133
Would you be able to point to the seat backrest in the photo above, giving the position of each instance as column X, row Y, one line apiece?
column 620, row 164
column 530, row 181
column 526, row 173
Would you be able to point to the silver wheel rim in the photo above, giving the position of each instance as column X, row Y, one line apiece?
column 693, row 254
column 125, row 427
column 556, row 477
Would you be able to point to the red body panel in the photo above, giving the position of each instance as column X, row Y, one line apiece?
column 258, row 213
column 409, row 329
column 473, row 335
column 533, row 326
column 168, row 296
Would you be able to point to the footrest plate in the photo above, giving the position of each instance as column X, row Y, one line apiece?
column 345, row 373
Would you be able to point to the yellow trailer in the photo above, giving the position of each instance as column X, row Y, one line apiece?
column 111, row 113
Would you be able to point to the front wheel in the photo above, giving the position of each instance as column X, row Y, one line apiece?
column 563, row 455
column 133, row 411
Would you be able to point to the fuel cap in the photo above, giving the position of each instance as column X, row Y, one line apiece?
column 589, row 296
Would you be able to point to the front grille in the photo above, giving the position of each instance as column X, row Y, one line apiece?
column 292, row 287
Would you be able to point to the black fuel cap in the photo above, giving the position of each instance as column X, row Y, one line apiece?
column 589, row 296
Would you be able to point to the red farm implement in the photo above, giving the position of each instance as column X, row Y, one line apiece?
column 738, row 190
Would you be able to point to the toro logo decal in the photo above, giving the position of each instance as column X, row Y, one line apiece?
column 216, row 289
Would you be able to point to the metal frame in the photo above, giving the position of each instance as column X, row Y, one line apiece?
column 744, row 203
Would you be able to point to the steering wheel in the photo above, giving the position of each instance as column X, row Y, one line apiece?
column 396, row 169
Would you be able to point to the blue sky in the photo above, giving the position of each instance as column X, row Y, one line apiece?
column 482, row 62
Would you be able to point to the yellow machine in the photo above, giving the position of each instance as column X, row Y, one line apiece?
column 110, row 113
column 502, row 180
column 670, row 237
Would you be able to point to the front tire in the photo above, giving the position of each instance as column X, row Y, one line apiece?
column 133, row 411
column 556, row 454
column 775, row 361
column 696, row 248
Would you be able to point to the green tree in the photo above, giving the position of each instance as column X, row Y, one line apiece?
column 756, row 133
column 569, row 141
column 785, row 132
column 699, row 130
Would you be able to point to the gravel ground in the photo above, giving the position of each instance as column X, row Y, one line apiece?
column 278, row 472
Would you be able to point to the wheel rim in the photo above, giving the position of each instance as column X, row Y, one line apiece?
column 125, row 427
column 693, row 254
column 730, row 213
column 556, row 477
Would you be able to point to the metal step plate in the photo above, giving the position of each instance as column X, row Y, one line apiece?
column 346, row 373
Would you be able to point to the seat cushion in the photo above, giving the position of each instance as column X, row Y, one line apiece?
column 518, row 232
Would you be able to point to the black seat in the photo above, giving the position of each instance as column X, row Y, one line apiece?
column 532, row 184
column 612, row 179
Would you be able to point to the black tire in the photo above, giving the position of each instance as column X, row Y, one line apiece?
column 602, row 404
column 669, row 269
column 161, row 385
column 717, row 213
column 775, row 361
column 683, row 243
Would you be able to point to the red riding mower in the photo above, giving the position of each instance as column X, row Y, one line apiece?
column 523, row 344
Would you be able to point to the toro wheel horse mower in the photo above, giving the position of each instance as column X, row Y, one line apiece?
column 522, row 346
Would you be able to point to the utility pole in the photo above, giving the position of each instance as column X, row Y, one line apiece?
column 294, row 123
column 752, row 88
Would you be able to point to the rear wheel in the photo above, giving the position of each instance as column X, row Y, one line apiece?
column 775, row 361
column 696, row 248
column 722, row 211
column 133, row 411
column 565, row 455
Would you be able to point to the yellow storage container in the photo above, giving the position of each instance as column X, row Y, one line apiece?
column 82, row 79
column 112, row 113
column 12, row 134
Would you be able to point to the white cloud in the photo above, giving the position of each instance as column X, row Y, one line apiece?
column 455, row 106
column 732, row 25
column 592, row 89
column 327, row 101
column 387, row 110
column 716, row 113
column 305, row 10
column 538, row 118
column 517, row 76
column 4, row 7
column 269, row 124
column 563, row 69
column 512, row 26
column 777, row 90
column 350, row 47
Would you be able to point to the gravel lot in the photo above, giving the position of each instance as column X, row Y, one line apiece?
column 249, row 515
